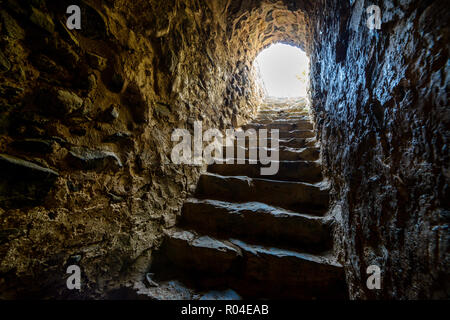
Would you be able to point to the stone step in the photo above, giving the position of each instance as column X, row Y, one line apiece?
column 282, row 113
column 295, row 196
column 305, row 171
column 257, row 223
column 200, row 253
column 279, row 117
column 266, row 120
column 298, row 142
column 167, row 290
column 282, row 134
column 297, row 134
column 287, row 126
column 285, row 153
column 274, row 273
column 305, row 154
column 254, row 271
column 290, row 109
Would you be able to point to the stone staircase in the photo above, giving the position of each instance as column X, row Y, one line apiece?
column 262, row 236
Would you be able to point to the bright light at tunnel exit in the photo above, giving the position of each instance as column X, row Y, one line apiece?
column 284, row 71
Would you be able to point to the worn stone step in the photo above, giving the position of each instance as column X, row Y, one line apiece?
column 257, row 223
column 268, row 120
column 305, row 171
column 282, row 134
column 306, row 154
column 199, row 253
column 168, row 290
column 299, row 142
column 297, row 134
column 251, row 270
column 284, row 108
column 280, row 115
column 295, row 154
column 291, row 142
column 294, row 114
column 296, row 196
column 287, row 126
column 277, row 273
column 285, row 153
column 283, row 113
column 279, row 118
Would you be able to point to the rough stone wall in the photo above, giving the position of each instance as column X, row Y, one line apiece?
column 380, row 101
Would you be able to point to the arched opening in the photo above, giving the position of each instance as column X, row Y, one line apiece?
column 283, row 70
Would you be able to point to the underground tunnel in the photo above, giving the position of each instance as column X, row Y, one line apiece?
column 93, row 205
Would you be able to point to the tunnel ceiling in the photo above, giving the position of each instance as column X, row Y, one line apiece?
column 250, row 26
column 257, row 24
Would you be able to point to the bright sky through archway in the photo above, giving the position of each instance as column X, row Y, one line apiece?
column 284, row 70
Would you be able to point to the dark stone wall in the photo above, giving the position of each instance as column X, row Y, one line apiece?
column 380, row 102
